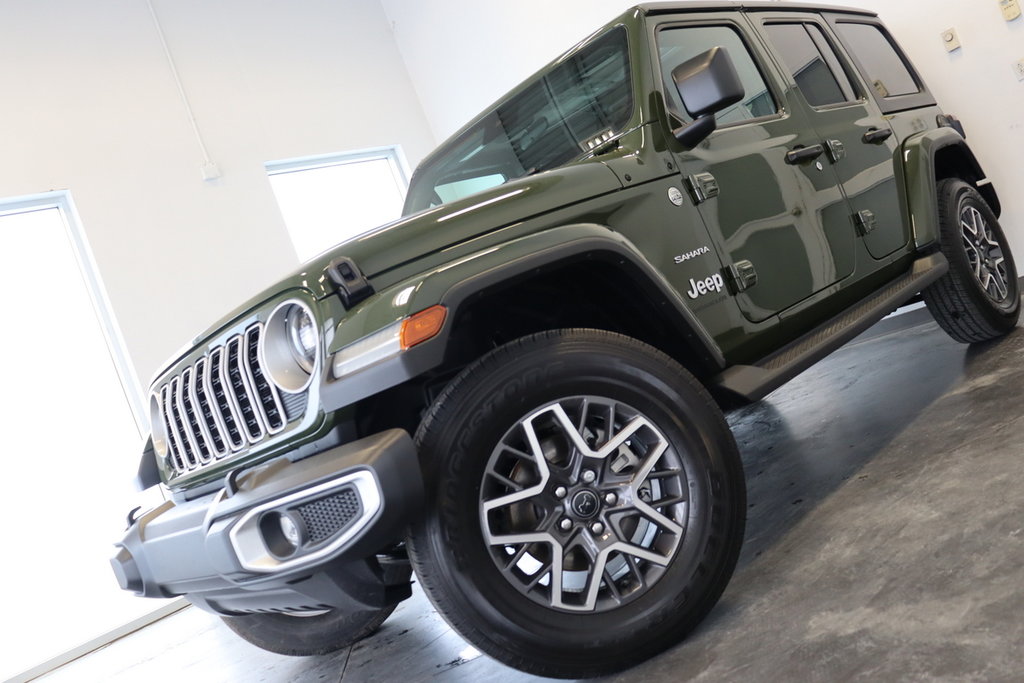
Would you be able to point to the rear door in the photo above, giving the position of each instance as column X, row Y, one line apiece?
column 858, row 140
column 787, row 220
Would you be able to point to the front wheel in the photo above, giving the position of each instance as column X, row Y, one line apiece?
column 587, row 503
column 979, row 298
column 304, row 634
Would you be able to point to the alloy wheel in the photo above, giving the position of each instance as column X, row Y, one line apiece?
column 984, row 254
column 584, row 504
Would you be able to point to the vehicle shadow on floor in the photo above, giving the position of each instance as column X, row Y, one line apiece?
column 821, row 434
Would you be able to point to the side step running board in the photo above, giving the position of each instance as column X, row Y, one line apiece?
column 754, row 382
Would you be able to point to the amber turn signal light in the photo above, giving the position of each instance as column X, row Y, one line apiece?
column 422, row 326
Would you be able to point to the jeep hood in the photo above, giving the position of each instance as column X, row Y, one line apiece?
column 440, row 227
column 434, row 230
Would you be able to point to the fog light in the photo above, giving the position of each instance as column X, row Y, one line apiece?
column 289, row 530
column 282, row 533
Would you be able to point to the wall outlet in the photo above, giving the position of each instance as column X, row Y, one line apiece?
column 950, row 39
column 1011, row 9
column 210, row 171
column 1018, row 68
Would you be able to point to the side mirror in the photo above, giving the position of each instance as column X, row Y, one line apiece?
column 707, row 84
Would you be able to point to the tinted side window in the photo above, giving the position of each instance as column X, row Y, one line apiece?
column 812, row 62
column 677, row 45
column 886, row 69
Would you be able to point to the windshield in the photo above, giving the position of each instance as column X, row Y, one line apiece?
column 566, row 112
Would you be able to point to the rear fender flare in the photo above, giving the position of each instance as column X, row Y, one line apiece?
column 920, row 159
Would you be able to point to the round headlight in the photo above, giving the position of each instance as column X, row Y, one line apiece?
column 303, row 336
column 156, row 420
column 289, row 345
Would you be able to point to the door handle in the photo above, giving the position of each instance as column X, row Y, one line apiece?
column 874, row 136
column 798, row 155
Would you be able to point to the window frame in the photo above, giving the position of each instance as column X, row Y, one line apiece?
column 630, row 123
column 847, row 69
column 756, row 56
column 392, row 154
column 62, row 201
column 888, row 105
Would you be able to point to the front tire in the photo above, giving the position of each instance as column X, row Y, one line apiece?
column 304, row 635
column 586, row 503
column 979, row 298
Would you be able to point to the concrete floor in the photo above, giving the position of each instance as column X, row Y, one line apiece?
column 885, row 541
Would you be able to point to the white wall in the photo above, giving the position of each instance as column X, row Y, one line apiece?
column 465, row 54
column 89, row 105
column 475, row 51
column 975, row 82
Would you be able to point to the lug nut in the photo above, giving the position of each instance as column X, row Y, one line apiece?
column 611, row 498
column 589, row 476
column 597, row 527
column 565, row 524
column 560, row 492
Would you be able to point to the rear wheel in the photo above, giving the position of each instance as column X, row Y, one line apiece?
column 587, row 503
column 979, row 298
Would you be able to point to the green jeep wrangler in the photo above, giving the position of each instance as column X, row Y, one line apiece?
column 516, row 390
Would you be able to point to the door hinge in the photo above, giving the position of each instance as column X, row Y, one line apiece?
column 702, row 187
column 865, row 221
column 836, row 150
column 741, row 276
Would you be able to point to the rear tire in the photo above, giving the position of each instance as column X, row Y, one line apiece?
column 979, row 298
column 585, row 503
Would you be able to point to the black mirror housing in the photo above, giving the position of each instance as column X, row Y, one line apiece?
column 706, row 84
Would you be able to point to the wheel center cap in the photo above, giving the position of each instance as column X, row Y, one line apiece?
column 585, row 503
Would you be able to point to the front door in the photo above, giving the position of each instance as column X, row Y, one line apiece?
column 859, row 142
column 769, row 201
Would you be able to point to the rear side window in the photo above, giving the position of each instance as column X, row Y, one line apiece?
column 886, row 69
column 813, row 63
column 677, row 45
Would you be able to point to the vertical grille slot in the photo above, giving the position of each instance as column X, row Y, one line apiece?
column 185, row 438
column 225, row 405
column 173, row 443
column 269, row 401
column 240, row 389
column 222, row 403
column 198, row 432
column 208, row 417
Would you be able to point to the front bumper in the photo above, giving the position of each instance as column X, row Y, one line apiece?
column 227, row 552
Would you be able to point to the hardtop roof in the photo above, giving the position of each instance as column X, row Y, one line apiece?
column 770, row 5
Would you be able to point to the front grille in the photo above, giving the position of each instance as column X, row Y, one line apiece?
column 325, row 517
column 221, row 404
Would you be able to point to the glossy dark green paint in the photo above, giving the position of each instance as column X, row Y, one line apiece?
column 793, row 222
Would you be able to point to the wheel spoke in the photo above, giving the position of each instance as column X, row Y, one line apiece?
column 999, row 283
column 544, row 570
column 649, row 462
column 506, row 481
column 612, row 588
column 656, row 517
column 538, row 460
column 634, row 568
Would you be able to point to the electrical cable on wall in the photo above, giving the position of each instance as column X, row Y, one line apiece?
column 209, row 168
